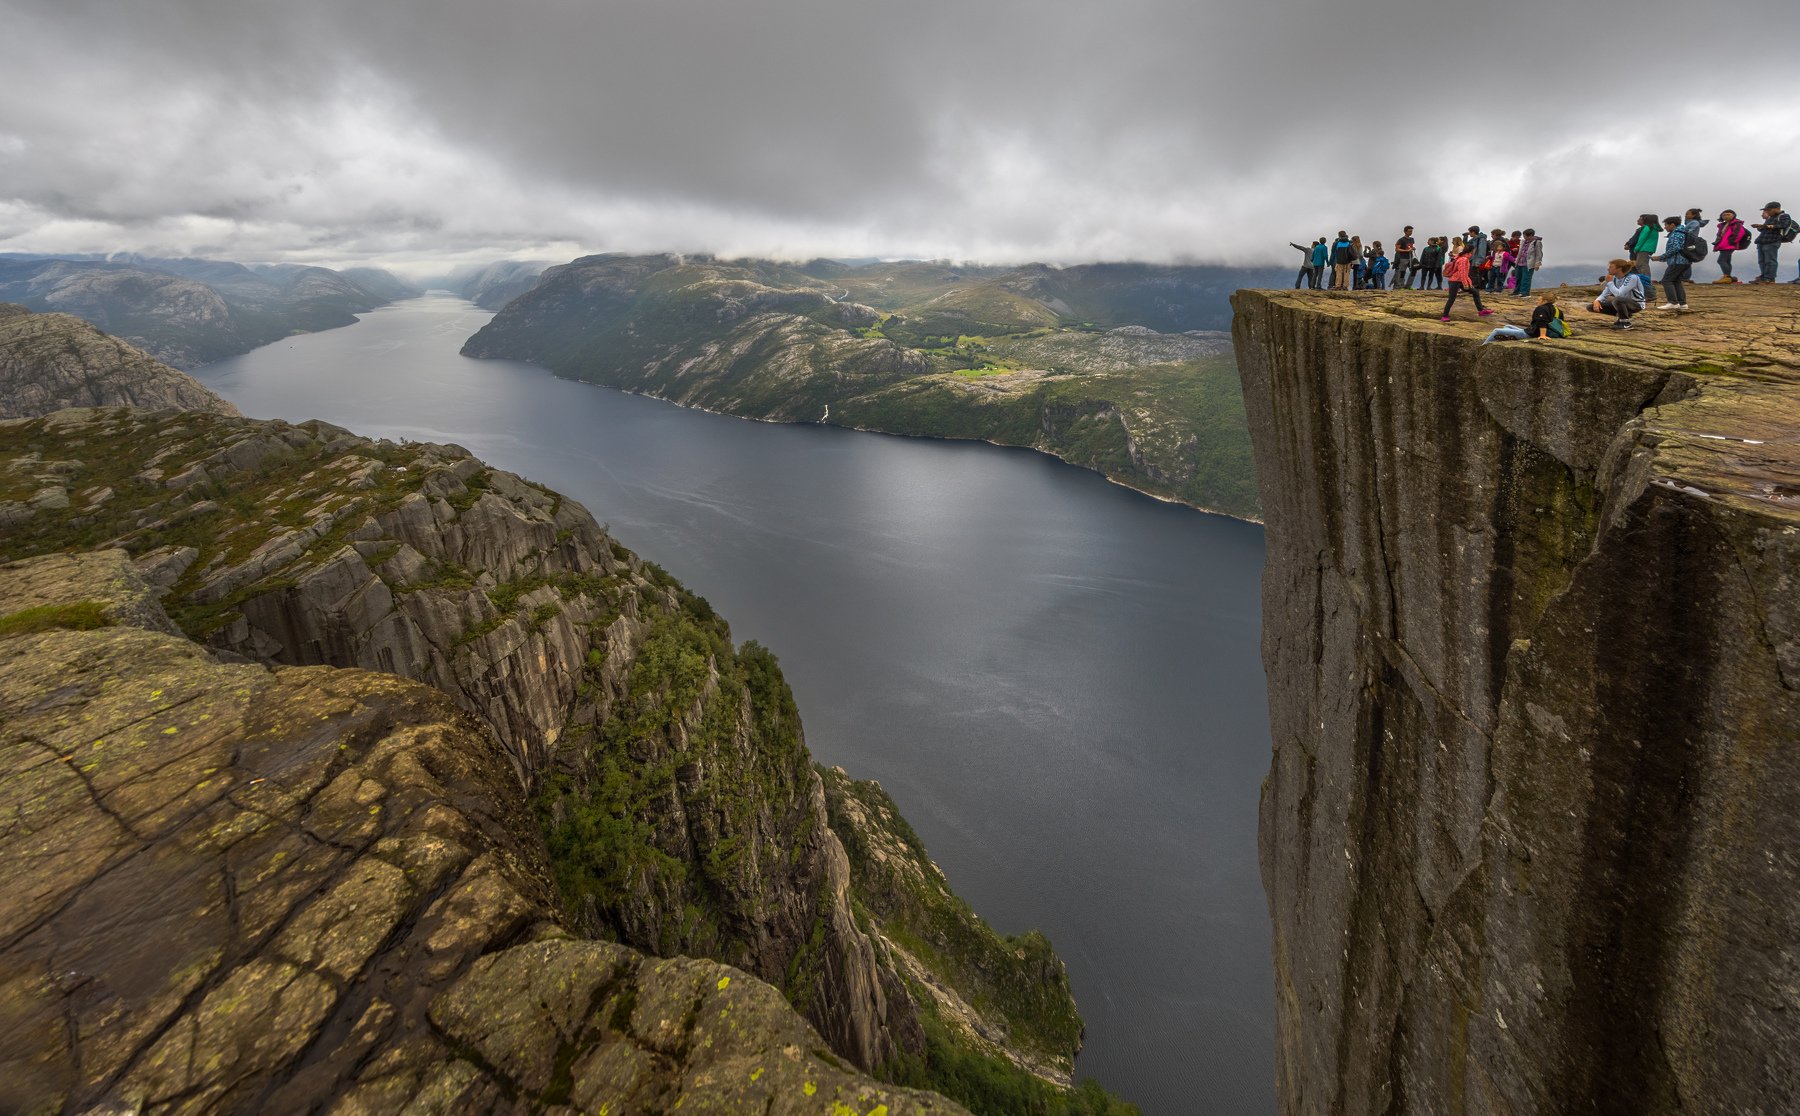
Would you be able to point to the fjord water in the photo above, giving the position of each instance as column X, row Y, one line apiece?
column 1056, row 678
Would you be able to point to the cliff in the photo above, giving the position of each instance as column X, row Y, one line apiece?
column 236, row 889
column 983, row 353
column 1531, row 830
column 52, row 361
column 665, row 766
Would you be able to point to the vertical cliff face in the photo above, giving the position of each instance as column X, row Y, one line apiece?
column 1531, row 831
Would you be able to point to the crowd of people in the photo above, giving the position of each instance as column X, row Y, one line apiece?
column 1498, row 262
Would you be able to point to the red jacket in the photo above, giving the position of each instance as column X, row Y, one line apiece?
column 1457, row 271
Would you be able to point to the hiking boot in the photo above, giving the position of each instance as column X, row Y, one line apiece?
column 1722, row 280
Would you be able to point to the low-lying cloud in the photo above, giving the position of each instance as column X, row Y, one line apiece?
column 420, row 131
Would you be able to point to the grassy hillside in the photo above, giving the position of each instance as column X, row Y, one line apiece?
column 927, row 349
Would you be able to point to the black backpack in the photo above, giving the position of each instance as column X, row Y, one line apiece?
column 1788, row 229
column 1695, row 249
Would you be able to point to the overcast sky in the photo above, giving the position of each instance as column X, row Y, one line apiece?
column 412, row 132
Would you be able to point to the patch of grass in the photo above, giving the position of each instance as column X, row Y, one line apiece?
column 79, row 616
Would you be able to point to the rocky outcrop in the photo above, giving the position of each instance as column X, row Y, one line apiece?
column 52, row 361
column 666, row 766
column 1531, row 832
column 236, row 889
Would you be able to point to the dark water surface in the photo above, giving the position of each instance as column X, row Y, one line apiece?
column 1057, row 679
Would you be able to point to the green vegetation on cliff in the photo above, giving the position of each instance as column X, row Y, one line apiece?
column 922, row 349
column 668, row 773
column 998, row 1020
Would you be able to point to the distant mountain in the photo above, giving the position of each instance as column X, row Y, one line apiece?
column 52, row 361
column 1059, row 360
column 189, row 312
column 493, row 285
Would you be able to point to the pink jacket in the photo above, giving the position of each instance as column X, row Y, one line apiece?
column 1732, row 236
column 1457, row 271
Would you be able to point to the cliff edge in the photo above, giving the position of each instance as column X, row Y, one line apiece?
column 1531, row 831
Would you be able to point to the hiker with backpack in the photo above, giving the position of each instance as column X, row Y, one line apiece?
column 1546, row 322
column 1623, row 294
column 1775, row 229
column 1458, row 273
column 1678, row 254
column 1376, row 270
column 1342, row 256
column 1733, row 237
column 1531, row 257
column 1640, row 245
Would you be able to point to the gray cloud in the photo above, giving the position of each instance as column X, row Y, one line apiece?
column 1151, row 129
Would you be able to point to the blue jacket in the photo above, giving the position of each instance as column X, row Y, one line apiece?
column 1678, row 239
column 1319, row 254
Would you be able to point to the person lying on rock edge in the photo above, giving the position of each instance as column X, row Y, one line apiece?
column 1546, row 322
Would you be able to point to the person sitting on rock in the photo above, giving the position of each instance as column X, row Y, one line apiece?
column 1622, row 295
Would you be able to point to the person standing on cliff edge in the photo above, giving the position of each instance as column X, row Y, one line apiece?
column 1531, row 257
column 1732, row 237
column 1306, row 270
column 1775, row 229
column 1403, row 258
column 1342, row 256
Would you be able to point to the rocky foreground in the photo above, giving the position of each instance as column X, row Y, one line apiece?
column 636, row 778
column 1531, row 832
column 237, row 889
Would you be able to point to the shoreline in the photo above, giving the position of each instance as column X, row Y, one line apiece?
column 1158, row 497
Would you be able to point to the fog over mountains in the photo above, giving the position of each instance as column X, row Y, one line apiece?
column 418, row 133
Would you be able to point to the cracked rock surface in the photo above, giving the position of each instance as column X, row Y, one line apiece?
column 309, row 889
column 1531, row 831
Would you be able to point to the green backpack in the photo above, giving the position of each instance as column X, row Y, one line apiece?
column 1558, row 327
